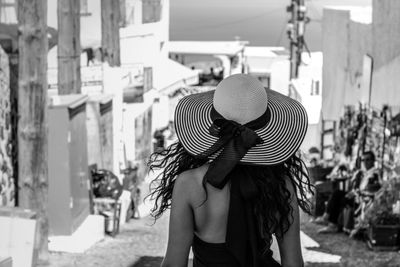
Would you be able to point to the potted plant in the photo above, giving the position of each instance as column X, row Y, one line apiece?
column 383, row 232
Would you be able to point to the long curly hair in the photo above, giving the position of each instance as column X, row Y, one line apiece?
column 272, row 208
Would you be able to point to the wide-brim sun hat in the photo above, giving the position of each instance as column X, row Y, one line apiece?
column 243, row 99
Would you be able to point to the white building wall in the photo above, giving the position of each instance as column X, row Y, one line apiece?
column 145, row 43
column 310, row 74
column 280, row 73
column 137, row 48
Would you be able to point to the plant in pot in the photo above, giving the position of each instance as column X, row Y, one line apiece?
column 383, row 223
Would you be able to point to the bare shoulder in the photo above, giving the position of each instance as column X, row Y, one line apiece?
column 191, row 178
column 189, row 182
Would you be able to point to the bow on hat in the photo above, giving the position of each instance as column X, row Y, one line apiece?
column 234, row 140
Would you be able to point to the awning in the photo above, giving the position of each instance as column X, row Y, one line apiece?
column 168, row 75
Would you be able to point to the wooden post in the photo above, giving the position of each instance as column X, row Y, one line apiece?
column 69, row 48
column 110, row 13
column 122, row 13
column 32, row 107
column 13, row 64
column 322, row 138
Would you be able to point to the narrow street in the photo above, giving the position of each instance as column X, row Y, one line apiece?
column 90, row 89
column 142, row 243
column 139, row 243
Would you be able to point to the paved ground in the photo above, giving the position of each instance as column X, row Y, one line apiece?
column 141, row 243
column 353, row 252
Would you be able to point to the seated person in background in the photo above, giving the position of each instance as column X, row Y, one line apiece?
column 313, row 162
column 340, row 171
column 367, row 180
column 336, row 200
column 361, row 183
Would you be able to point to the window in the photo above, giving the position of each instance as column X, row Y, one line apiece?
column 315, row 87
column 147, row 78
column 84, row 8
column 8, row 11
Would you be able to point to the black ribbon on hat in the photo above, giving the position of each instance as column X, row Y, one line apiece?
column 243, row 236
column 244, row 240
column 234, row 140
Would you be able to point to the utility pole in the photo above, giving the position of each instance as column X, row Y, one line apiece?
column 295, row 31
column 69, row 48
column 110, row 19
column 32, row 107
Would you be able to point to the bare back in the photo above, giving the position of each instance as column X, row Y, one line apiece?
column 211, row 210
column 194, row 212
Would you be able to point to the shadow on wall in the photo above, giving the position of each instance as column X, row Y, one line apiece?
column 147, row 261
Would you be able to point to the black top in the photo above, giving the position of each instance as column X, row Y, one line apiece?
column 217, row 255
column 211, row 254
column 244, row 246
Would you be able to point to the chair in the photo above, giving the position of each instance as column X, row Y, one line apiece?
column 111, row 210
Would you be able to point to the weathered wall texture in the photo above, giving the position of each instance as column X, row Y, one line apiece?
column 386, row 31
column 107, row 137
column 360, row 43
column 93, row 122
column 7, row 190
column 386, row 53
column 344, row 44
column 386, row 85
column 143, row 141
column 335, row 27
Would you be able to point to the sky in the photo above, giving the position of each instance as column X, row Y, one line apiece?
column 261, row 22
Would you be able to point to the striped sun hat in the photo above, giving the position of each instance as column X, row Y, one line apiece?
column 280, row 122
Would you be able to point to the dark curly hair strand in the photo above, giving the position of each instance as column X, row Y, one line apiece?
column 273, row 209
